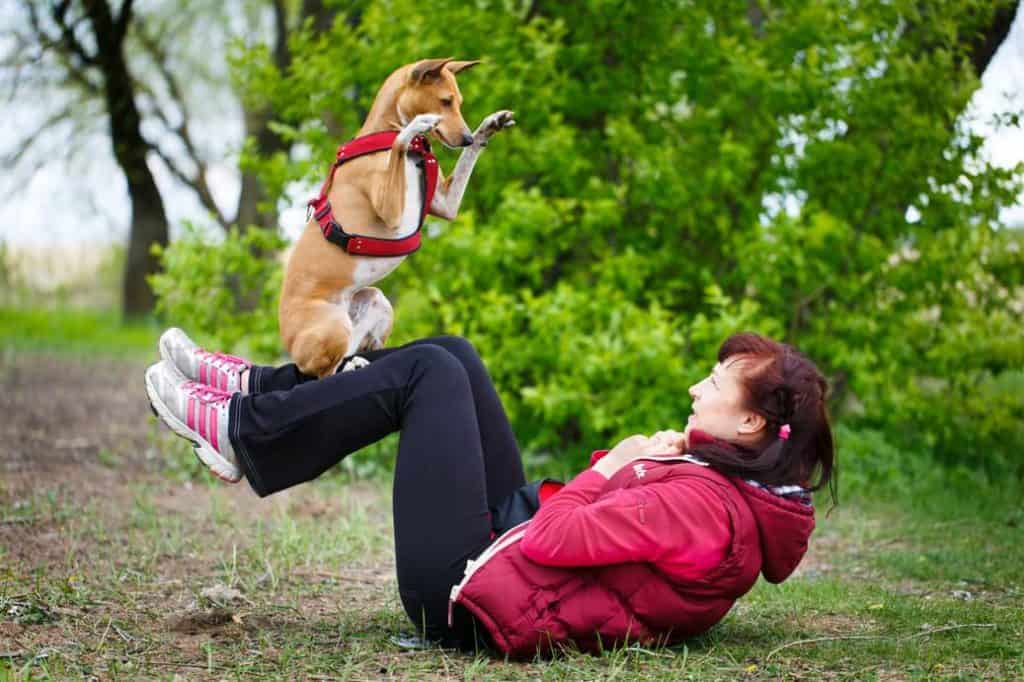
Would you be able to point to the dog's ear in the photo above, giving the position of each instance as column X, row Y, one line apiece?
column 455, row 66
column 427, row 70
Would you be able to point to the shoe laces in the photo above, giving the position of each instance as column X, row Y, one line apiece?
column 206, row 394
column 223, row 361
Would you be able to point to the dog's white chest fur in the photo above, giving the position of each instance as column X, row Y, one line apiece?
column 371, row 269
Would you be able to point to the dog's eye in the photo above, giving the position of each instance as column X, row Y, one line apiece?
column 446, row 101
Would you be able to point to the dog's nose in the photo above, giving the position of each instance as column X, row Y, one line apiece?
column 467, row 139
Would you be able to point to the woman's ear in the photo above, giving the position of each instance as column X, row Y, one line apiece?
column 751, row 424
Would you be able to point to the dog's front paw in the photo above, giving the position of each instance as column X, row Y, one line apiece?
column 353, row 363
column 422, row 124
column 499, row 120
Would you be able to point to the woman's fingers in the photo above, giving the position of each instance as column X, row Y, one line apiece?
column 661, row 447
column 670, row 437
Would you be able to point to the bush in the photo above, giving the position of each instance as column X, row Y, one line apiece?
column 224, row 292
column 675, row 176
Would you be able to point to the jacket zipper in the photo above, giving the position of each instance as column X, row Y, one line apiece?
column 511, row 536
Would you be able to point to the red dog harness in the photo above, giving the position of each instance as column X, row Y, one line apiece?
column 363, row 245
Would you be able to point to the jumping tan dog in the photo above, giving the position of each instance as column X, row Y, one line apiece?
column 328, row 309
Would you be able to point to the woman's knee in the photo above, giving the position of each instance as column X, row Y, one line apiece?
column 430, row 359
column 458, row 346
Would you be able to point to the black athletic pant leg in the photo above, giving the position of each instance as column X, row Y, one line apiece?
column 441, row 515
column 502, row 459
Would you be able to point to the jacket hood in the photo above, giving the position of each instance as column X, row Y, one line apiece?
column 784, row 525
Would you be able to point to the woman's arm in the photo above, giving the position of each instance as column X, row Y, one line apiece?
column 681, row 524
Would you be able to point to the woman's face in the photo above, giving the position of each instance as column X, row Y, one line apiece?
column 718, row 405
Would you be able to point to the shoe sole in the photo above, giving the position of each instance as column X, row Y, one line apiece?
column 204, row 451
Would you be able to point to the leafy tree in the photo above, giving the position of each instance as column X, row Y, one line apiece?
column 140, row 76
column 683, row 170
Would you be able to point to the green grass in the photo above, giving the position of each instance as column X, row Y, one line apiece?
column 889, row 593
column 77, row 331
column 103, row 573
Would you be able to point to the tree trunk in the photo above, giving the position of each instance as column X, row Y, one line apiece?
column 253, row 192
column 149, row 219
column 985, row 44
column 267, row 141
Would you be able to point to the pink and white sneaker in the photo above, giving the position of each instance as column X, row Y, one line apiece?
column 220, row 370
column 196, row 412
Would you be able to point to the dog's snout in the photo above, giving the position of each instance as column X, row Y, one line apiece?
column 467, row 139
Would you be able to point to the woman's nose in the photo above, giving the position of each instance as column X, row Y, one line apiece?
column 693, row 391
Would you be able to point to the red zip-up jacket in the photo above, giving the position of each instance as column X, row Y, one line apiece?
column 655, row 554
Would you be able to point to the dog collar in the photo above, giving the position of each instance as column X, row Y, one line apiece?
column 364, row 245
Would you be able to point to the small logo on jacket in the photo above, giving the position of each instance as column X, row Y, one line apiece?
column 639, row 470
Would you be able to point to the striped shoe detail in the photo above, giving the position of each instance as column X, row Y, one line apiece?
column 220, row 370
column 197, row 412
column 205, row 405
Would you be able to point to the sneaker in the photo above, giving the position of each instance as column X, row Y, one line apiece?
column 196, row 412
column 219, row 370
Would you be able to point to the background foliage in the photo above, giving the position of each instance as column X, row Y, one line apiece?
column 680, row 171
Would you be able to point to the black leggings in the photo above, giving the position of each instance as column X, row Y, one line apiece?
column 457, row 454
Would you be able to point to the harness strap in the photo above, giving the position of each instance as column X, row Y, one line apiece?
column 364, row 245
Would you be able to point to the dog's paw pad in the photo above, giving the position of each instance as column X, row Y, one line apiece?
column 499, row 120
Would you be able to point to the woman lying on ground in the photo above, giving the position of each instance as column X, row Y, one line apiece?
column 652, row 544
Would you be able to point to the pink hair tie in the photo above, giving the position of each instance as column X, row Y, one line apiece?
column 784, row 432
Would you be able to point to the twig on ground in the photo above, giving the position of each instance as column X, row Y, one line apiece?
column 815, row 640
column 944, row 628
column 103, row 639
column 200, row 666
column 904, row 638
column 343, row 577
column 12, row 654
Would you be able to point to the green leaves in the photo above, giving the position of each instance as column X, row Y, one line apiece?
column 225, row 292
column 678, row 174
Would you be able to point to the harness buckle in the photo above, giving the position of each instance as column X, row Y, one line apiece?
column 338, row 236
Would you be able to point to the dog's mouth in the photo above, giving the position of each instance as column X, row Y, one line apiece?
column 449, row 145
column 465, row 140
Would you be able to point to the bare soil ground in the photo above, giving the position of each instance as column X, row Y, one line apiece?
column 122, row 558
column 127, row 540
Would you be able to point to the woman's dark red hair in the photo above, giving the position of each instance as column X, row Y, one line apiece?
column 784, row 387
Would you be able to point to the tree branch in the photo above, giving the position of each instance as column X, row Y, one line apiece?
column 11, row 159
column 124, row 18
column 71, row 44
column 282, row 55
column 987, row 42
column 756, row 17
column 198, row 183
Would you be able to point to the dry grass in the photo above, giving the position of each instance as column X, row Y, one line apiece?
column 111, row 537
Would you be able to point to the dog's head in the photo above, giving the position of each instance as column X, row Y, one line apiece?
column 431, row 89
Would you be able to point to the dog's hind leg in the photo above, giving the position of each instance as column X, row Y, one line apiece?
column 372, row 318
column 323, row 338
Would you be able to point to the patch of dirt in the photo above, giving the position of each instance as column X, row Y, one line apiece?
column 194, row 623
column 82, row 487
column 60, row 412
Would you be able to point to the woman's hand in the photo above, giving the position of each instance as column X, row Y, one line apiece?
column 637, row 447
